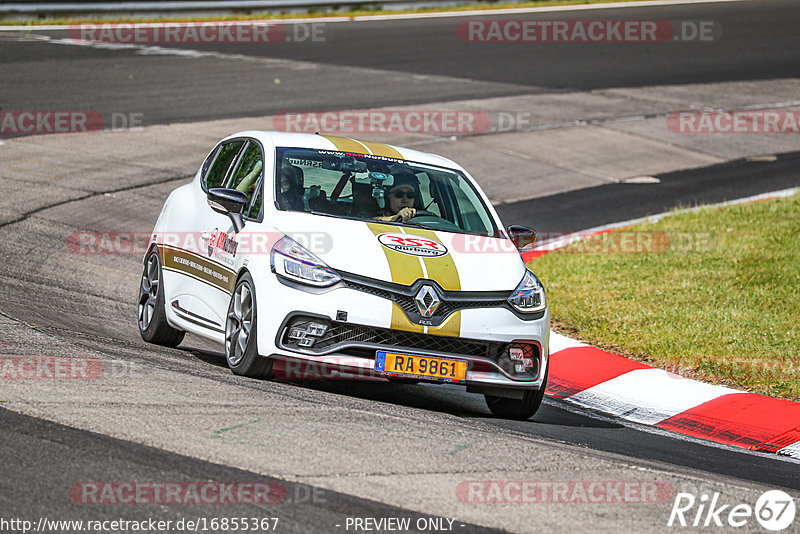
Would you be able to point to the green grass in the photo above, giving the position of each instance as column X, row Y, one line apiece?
column 721, row 303
column 346, row 12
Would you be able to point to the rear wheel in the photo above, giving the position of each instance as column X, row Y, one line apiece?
column 241, row 340
column 523, row 408
column 153, row 325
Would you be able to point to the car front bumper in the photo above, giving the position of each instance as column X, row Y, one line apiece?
column 481, row 335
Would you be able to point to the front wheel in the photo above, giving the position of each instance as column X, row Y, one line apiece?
column 153, row 325
column 241, row 340
column 523, row 408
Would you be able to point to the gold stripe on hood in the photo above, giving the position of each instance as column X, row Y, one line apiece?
column 406, row 269
column 379, row 149
column 345, row 144
column 450, row 327
column 442, row 268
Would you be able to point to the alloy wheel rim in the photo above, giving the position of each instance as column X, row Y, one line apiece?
column 148, row 292
column 239, row 324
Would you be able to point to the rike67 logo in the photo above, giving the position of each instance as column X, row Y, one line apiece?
column 774, row 510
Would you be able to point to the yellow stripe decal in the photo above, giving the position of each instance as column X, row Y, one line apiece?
column 346, row 144
column 400, row 320
column 405, row 269
column 450, row 327
column 198, row 267
column 379, row 149
column 443, row 268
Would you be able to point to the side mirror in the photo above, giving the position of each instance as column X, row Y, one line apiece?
column 230, row 202
column 521, row 236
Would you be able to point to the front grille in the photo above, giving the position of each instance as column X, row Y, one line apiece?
column 406, row 300
column 346, row 334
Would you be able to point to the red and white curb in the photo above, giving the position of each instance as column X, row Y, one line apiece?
column 592, row 378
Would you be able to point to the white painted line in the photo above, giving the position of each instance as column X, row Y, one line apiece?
column 792, row 450
column 543, row 9
column 438, row 14
column 559, row 342
column 641, row 180
column 647, row 396
column 55, row 27
column 769, row 158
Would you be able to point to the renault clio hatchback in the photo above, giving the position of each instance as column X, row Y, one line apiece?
column 289, row 248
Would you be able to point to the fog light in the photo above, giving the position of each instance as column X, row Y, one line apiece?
column 519, row 368
column 527, row 362
column 316, row 329
column 515, row 353
column 306, row 342
column 297, row 333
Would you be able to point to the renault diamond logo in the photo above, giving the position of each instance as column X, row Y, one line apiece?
column 427, row 301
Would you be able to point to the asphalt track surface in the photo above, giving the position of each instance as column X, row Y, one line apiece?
column 759, row 44
column 33, row 446
column 395, row 62
column 606, row 204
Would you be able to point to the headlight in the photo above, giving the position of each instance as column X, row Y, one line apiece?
column 529, row 296
column 290, row 259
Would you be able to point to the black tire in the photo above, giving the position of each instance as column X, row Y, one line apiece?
column 241, row 337
column 521, row 409
column 152, row 315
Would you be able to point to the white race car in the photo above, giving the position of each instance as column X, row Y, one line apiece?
column 314, row 256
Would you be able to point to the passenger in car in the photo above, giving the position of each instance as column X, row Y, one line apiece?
column 290, row 196
column 402, row 199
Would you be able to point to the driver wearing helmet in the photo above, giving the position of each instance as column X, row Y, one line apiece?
column 402, row 196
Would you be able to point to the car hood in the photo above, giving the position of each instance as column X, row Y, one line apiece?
column 402, row 254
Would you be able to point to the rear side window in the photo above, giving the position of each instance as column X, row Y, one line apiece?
column 226, row 155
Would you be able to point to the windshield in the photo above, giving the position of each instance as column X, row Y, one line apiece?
column 367, row 187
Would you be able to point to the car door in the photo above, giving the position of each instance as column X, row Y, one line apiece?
column 246, row 175
column 187, row 260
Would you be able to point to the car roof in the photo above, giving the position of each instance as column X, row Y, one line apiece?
column 344, row 144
